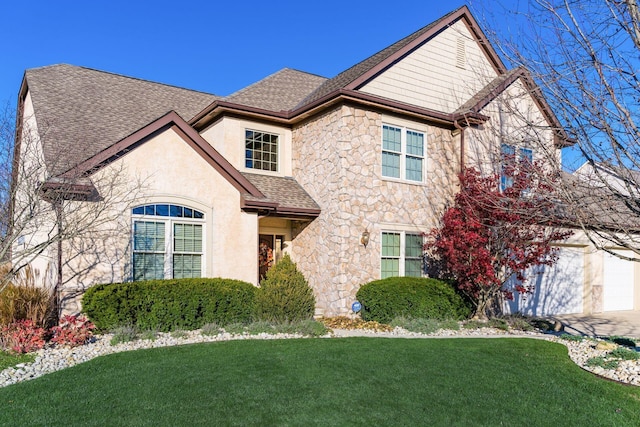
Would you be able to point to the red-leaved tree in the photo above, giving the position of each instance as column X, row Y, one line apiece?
column 491, row 235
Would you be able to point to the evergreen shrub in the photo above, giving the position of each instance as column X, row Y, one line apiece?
column 167, row 305
column 410, row 297
column 284, row 294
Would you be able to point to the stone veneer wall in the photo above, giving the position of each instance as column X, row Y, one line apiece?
column 337, row 158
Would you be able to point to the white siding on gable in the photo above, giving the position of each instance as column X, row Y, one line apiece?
column 441, row 75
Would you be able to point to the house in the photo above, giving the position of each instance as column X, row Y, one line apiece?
column 343, row 173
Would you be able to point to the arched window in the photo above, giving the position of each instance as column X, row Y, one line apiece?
column 167, row 242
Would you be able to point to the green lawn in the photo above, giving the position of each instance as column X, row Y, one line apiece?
column 10, row 359
column 355, row 381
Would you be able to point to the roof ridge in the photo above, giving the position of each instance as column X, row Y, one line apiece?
column 257, row 82
column 81, row 67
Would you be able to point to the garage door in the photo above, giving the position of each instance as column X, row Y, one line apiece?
column 558, row 289
column 618, row 282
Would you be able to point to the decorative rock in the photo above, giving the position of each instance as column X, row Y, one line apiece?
column 56, row 358
column 606, row 346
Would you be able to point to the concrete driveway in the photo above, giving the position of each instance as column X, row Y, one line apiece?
column 621, row 323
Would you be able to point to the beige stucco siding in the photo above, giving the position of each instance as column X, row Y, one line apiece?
column 515, row 119
column 430, row 76
column 337, row 158
column 227, row 135
column 32, row 232
column 166, row 169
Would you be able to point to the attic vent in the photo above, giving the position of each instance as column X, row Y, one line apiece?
column 461, row 56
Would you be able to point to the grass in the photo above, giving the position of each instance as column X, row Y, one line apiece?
column 12, row 359
column 354, row 381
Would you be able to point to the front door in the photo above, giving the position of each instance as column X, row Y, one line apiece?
column 269, row 252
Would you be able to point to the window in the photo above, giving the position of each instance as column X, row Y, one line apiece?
column 508, row 153
column 402, row 153
column 261, row 151
column 167, row 242
column 401, row 254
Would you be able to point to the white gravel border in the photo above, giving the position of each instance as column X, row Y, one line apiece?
column 51, row 359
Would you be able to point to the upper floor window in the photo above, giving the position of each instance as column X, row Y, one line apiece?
column 510, row 158
column 402, row 153
column 167, row 242
column 261, row 151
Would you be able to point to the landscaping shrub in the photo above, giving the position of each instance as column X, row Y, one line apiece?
column 425, row 326
column 602, row 362
column 123, row 334
column 25, row 302
column 624, row 354
column 284, row 294
column 166, row 305
column 569, row 337
column 72, row 331
column 23, row 336
column 627, row 342
column 413, row 297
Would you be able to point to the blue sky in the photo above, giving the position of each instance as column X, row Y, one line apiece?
column 211, row 46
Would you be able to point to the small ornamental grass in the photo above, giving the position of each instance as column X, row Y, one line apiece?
column 307, row 328
column 210, row 329
column 124, row 334
column 624, row 354
column 425, row 326
column 574, row 338
column 26, row 298
column 602, row 362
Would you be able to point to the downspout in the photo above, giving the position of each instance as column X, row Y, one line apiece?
column 58, row 286
column 461, row 129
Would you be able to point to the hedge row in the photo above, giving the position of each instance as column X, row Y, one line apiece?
column 166, row 305
column 413, row 297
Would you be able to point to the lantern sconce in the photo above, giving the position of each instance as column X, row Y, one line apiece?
column 364, row 239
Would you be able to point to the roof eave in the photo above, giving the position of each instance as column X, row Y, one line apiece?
column 274, row 209
column 171, row 120
column 462, row 13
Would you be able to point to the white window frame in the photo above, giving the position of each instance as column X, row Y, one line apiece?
column 402, row 257
column 519, row 153
column 403, row 153
column 169, row 244
column 278, row 145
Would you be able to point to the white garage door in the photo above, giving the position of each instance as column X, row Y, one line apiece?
column 558, row 289
column 618, row 282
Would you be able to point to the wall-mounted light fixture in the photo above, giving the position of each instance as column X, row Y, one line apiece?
column 364, row 239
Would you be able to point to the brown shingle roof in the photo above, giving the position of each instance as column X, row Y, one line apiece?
column 281, row 91
column 81, row 111
column 488, row 93
column 348, row 76
column 284, row 191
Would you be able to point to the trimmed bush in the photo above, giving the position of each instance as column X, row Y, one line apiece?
column 411, row 297
column 167, row 305
column 284, row 294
